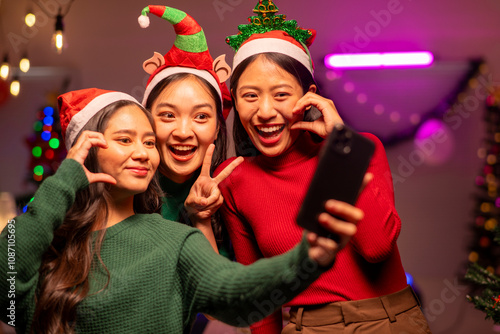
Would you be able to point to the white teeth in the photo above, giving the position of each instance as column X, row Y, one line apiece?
column 182, row 148
column 269, row 128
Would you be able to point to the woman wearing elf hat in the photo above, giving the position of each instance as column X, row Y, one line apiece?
column 91, row 256
column 272, row 85
column 189, row 101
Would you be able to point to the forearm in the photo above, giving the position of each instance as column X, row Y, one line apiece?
column 28, row 236
column 379, row 230
column 240, row 295
column 205, row 226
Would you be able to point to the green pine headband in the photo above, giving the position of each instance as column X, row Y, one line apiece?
column 271, row 32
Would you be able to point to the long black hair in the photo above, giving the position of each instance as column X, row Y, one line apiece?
column 220, row 152
column 71, row 257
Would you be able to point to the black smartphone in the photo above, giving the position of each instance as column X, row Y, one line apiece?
column 343, row 162
column 312, row 114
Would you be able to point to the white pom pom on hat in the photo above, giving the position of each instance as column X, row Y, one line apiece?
column 143, row 21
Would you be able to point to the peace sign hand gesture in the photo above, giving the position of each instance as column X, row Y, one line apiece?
column 205, row 198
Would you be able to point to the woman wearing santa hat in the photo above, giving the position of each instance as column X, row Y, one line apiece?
column 189, row 101
column 91, row 256
column 272, row 86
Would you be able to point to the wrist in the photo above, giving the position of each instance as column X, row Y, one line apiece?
column 205, row 222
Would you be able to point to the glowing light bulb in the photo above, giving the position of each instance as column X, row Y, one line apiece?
column 58, row 40
column 15, row 87
column 30, row 19
column 24, row 64
column 5, row 68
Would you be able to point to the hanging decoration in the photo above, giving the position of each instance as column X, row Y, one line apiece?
column 30, row 18
column 24, row 63
column 5, row 67
column 15, row 86
column 58, row 41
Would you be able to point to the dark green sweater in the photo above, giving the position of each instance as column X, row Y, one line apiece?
column 162, row 273
column 175, row 195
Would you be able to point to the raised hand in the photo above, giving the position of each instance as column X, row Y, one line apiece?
column 205, row 198
column 80, row 150
column 323, row 125
column 323, row 250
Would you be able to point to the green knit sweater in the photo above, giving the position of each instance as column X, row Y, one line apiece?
column 162, row 273
column 176, row 194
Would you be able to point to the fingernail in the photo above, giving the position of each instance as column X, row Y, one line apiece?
column 331, row 203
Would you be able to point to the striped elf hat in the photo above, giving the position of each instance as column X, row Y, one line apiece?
column 189, row 54
column 77, row 107
column 271, row 32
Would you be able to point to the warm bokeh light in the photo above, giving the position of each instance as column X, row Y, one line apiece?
column 58, row 41
column 4, row 70
column 24, row 64
column 30, row 19
column 15, row 87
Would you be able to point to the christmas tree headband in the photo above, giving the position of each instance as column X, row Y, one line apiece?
column 77, row 107
column 189, row 54
column 270, row 32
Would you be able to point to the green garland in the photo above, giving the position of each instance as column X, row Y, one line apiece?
column 488, row 300
column 265, row 21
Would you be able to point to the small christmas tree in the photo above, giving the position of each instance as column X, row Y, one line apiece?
column 47, row 150
column 484, row 271
column 489, row 299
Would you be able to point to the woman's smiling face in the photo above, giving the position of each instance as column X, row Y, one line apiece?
column 264, row 98
column 186, row 124
column 131, row 156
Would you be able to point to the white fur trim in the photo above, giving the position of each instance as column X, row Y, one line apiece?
column 262, row 45
column 81, row 119
column 179, row 69
column 143, row 21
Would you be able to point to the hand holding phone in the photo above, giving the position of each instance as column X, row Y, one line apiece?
column 343, row 162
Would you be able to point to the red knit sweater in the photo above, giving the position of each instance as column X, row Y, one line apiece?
column 262, row 197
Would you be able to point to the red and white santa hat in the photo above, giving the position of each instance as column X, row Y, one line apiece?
column 77, row 107
column 189, row 54
column 271, row 32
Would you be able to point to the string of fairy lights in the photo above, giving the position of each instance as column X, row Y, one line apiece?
column 10, row 73
column 487, row 213
column 45, row 143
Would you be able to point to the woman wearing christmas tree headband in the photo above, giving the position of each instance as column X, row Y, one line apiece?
column 272, row 86
column 90, row 255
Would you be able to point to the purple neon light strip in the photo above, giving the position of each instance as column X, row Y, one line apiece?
column 377, row 60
